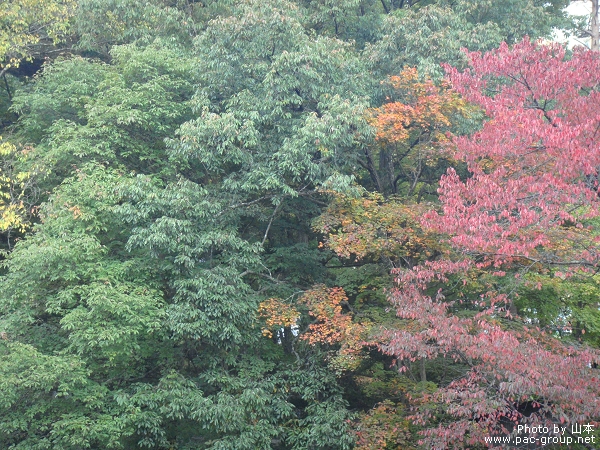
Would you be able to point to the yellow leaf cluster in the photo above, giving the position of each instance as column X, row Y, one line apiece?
column 277, row 314
column 372, row 227
column 25, row 23
column 14, row 187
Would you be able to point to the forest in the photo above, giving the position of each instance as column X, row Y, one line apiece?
column 298, row 225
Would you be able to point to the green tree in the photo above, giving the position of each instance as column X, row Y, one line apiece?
column 149, row 263
column 430, row 33
column 102, row 24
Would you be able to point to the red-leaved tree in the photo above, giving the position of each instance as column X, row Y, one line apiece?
column 528, row 203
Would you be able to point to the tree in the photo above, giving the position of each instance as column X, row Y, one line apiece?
column 119, row 114
column 430, row 33
column 178, row 177
column 411, row 129
column 534, row 164
column 102, row 24
column 26, row 25
column 594, row 27
column 170, row 290
column 19, row 191
column 524, row 209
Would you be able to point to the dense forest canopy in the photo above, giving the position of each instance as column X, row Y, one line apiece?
column 297, row 224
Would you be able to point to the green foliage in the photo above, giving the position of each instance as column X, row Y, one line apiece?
column 103, row 24
column 567, row 308
column 199, row 252
column 117, row 114
column 427, row 36
column 164, row 180
column 139, row 270
column 49, row 402
column 352, row 20
column 277, row 109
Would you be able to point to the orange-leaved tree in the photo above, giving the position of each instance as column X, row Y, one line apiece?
column 329, row 325
column 411, row 128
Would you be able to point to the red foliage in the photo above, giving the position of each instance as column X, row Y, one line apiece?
column 535, row 163
column 506, row 367
column 534, row 183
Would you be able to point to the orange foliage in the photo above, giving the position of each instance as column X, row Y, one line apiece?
column 332, row 326
column 325, row 306
column 277, row 314
column 422, row 105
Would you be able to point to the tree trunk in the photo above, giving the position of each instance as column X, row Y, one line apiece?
column 595, row 29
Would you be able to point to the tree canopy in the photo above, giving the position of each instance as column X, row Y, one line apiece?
column 295, row 224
